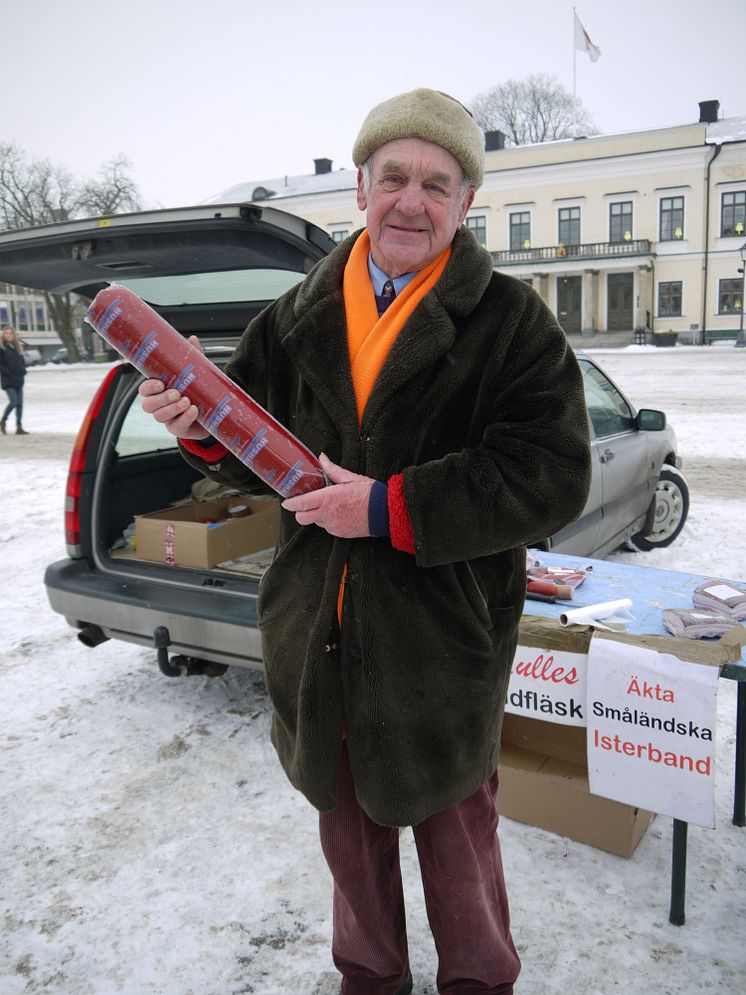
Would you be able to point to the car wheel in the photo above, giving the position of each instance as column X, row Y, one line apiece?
column 671, row 510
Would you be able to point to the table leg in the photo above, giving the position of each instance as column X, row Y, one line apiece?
column 739, row 795
column 678, row 873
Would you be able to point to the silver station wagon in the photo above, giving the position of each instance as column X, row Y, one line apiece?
column 209, row 271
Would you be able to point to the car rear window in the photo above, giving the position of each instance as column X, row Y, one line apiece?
column 141, row 433
column 226, row 287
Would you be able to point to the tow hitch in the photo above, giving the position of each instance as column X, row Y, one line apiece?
column 182, row 666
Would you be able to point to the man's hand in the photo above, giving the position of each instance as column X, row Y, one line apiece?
column 341, row 508
column 169, row 408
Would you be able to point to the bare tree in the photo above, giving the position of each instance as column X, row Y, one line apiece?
column 33, row 191
column 536, row 109
column 113, row 193
column 36, row 192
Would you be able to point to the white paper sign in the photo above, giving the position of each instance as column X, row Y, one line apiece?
column 548, row 684
column 651, row 730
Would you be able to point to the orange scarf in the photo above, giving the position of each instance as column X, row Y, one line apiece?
column 370, row 338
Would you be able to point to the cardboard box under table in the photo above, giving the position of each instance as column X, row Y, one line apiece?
column 544, row 767
column 544, row 782
column 200, row 534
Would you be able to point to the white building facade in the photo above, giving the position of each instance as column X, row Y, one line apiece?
column 618, row 233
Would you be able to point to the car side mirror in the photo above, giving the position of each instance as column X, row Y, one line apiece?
column 649, row 420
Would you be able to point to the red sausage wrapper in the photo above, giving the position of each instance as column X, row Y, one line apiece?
column 159, row 352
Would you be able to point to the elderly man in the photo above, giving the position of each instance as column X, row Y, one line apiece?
column 450, row 413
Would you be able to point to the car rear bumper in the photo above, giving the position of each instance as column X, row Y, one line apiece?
column 202, row 623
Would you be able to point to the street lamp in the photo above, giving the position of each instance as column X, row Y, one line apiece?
column 741, row 340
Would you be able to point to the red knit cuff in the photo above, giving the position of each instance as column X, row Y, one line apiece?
column 210, row 454
column 400, row 524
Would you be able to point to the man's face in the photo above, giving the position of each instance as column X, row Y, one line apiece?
column 414, row 205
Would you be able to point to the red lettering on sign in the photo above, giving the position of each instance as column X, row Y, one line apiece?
column 545, row 669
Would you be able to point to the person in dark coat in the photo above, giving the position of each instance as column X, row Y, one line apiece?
column 449, row 414
column 12, row 377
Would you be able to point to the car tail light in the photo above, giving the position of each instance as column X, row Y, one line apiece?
column 77, row 466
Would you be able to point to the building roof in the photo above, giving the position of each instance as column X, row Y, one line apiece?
column 286, row 186
column 732, row 129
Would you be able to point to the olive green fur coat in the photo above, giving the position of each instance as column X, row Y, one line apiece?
column 480, row 406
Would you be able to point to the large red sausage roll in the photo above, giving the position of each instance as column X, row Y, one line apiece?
column 159, row 352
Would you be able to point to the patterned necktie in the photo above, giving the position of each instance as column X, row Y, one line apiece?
column 388, row 293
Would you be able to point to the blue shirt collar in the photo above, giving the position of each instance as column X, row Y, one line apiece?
column 378, row 278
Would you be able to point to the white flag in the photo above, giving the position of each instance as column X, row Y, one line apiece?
column 583, row 42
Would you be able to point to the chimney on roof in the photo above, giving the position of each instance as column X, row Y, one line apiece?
column 494, row 140
column 322, row 166
column 708, row 111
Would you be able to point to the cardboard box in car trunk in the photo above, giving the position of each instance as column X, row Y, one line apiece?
column 200, row 534
column 544, row 782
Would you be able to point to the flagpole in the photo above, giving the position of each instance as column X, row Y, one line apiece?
column 574, row 97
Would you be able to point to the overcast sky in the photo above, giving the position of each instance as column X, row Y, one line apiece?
column 202, row 94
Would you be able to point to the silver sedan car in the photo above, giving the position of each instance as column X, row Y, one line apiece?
column 639, row 496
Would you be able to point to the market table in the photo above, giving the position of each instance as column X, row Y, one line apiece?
column 650, row 590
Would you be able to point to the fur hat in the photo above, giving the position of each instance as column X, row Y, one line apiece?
column 430, row 115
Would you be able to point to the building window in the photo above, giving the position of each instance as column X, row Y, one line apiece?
column 477, row 224
column 669, row 299
column 4, row 314
column 672, row 218
column 340, row 235
column 569, row 226
column 733, row 213
column 620, row 221
column 730, row 295
column 520, row 231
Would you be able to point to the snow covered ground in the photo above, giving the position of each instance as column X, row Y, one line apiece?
column 150, row 845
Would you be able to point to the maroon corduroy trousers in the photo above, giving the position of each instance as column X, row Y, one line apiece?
column 464, row 887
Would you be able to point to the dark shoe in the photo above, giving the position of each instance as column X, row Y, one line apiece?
column 20, row 430
column 2, row 427
column 406, row 988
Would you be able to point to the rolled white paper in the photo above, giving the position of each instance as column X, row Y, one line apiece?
column 609, row 612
